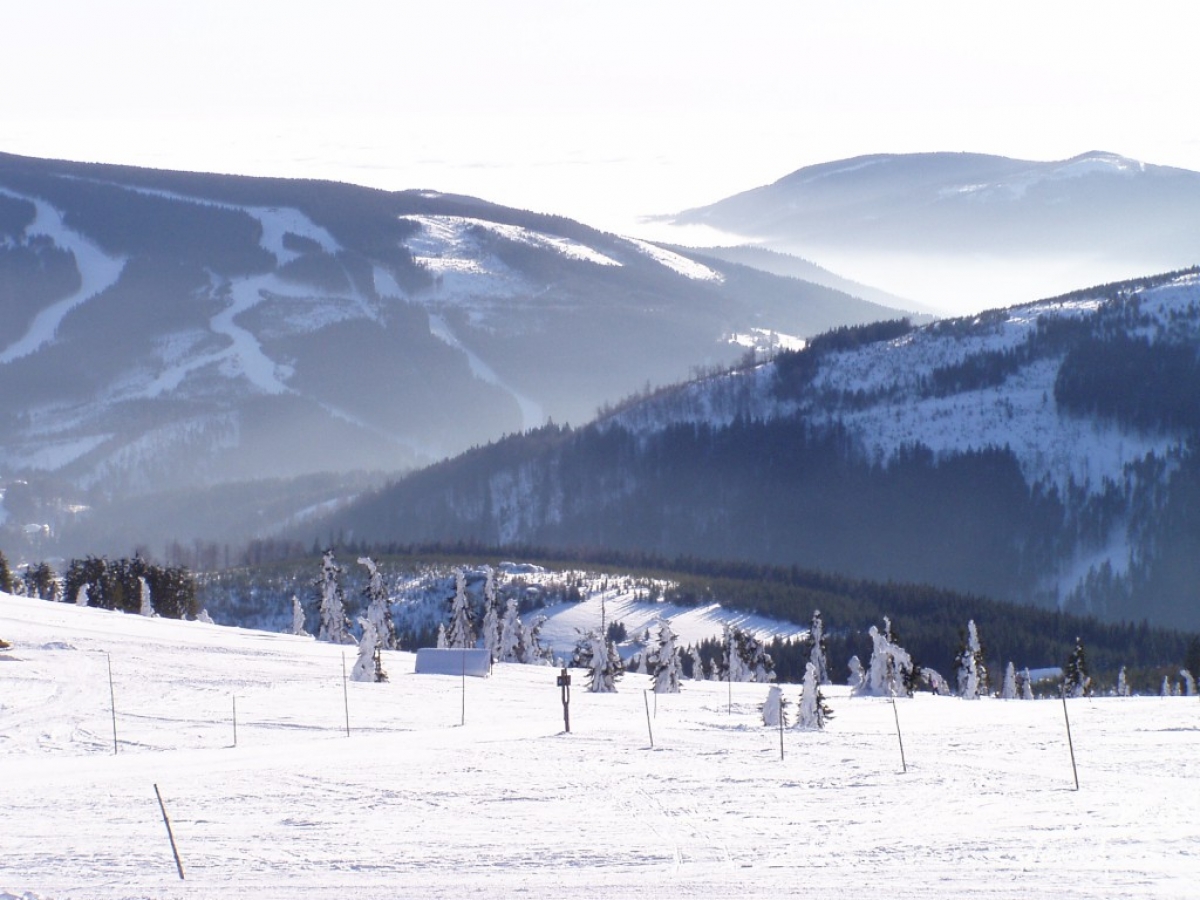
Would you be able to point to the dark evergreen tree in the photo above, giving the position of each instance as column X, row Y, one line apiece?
column 972, row 674
column 41, row 582
column 1192, row 660
column 1076, row 682
column 6, row 585
column 818, row 656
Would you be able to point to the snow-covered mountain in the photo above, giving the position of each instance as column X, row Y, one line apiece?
column 1041, row 453
column 968, row 231
column 170, row 330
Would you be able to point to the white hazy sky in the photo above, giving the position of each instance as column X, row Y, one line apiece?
column 603, row 111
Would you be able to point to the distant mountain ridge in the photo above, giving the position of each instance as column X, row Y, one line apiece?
column 1043, row 453
column 973, row 230
column 168, row 330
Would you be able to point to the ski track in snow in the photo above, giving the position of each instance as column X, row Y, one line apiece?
column 275, row 221
column 414, row 804
column 245, row 355
column 98, row 272
column 532, row 414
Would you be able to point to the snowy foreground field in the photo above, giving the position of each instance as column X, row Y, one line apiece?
column 415, row 804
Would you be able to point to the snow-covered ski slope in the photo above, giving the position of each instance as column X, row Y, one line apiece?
column 414, row 803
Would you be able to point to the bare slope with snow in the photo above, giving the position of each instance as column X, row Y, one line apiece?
column 414, row 803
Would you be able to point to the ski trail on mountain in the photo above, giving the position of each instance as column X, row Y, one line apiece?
column 97, row 271
column 532, row 414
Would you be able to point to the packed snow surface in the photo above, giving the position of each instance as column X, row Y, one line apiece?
column 449, row 243
column 681, row 265
column 450, row 787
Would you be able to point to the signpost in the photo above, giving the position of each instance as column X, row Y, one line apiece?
column 564, row 682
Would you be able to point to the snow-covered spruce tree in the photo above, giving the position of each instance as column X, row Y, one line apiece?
column 857, row 675
column 936, row 682
column 1025, row 684
column 599, row 656
column 972, row 676
column 511, row 648
column 745, row 658
column 491, row 615
column 379, row 607
column 891, row 669
column 1008, row 690
column 442, row 643
column 774, row 707
column 1189, row 683
column 81, row 595
column 146, row 607
column 298, row 617
column 814, row 712
column 460, row 633
column 1076, row 682
column 758, row 660
column 817, row 657
column 335, row 626
column 668, row 668
column 1122, row 684
column 697, row 664
column 731, row 659
column 1165, row 691
column 581, row 654
column 533, row 653
column 369, row 665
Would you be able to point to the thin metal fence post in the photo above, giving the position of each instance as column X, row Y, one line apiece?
column 345, row 694
column 112, row 700
column 899, row 736
column 170, row 833
column 1070, row 743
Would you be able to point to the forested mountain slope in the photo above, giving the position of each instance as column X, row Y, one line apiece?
column 167, row 330
column 1043, row 453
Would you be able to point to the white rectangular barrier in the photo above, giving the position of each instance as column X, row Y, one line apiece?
column 431, row 661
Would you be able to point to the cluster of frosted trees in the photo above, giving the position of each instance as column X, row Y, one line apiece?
column 501, row 631
column 744, row 658
column 496, row 626
column 378, row 632
column 891, row 671
column 812, row 712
